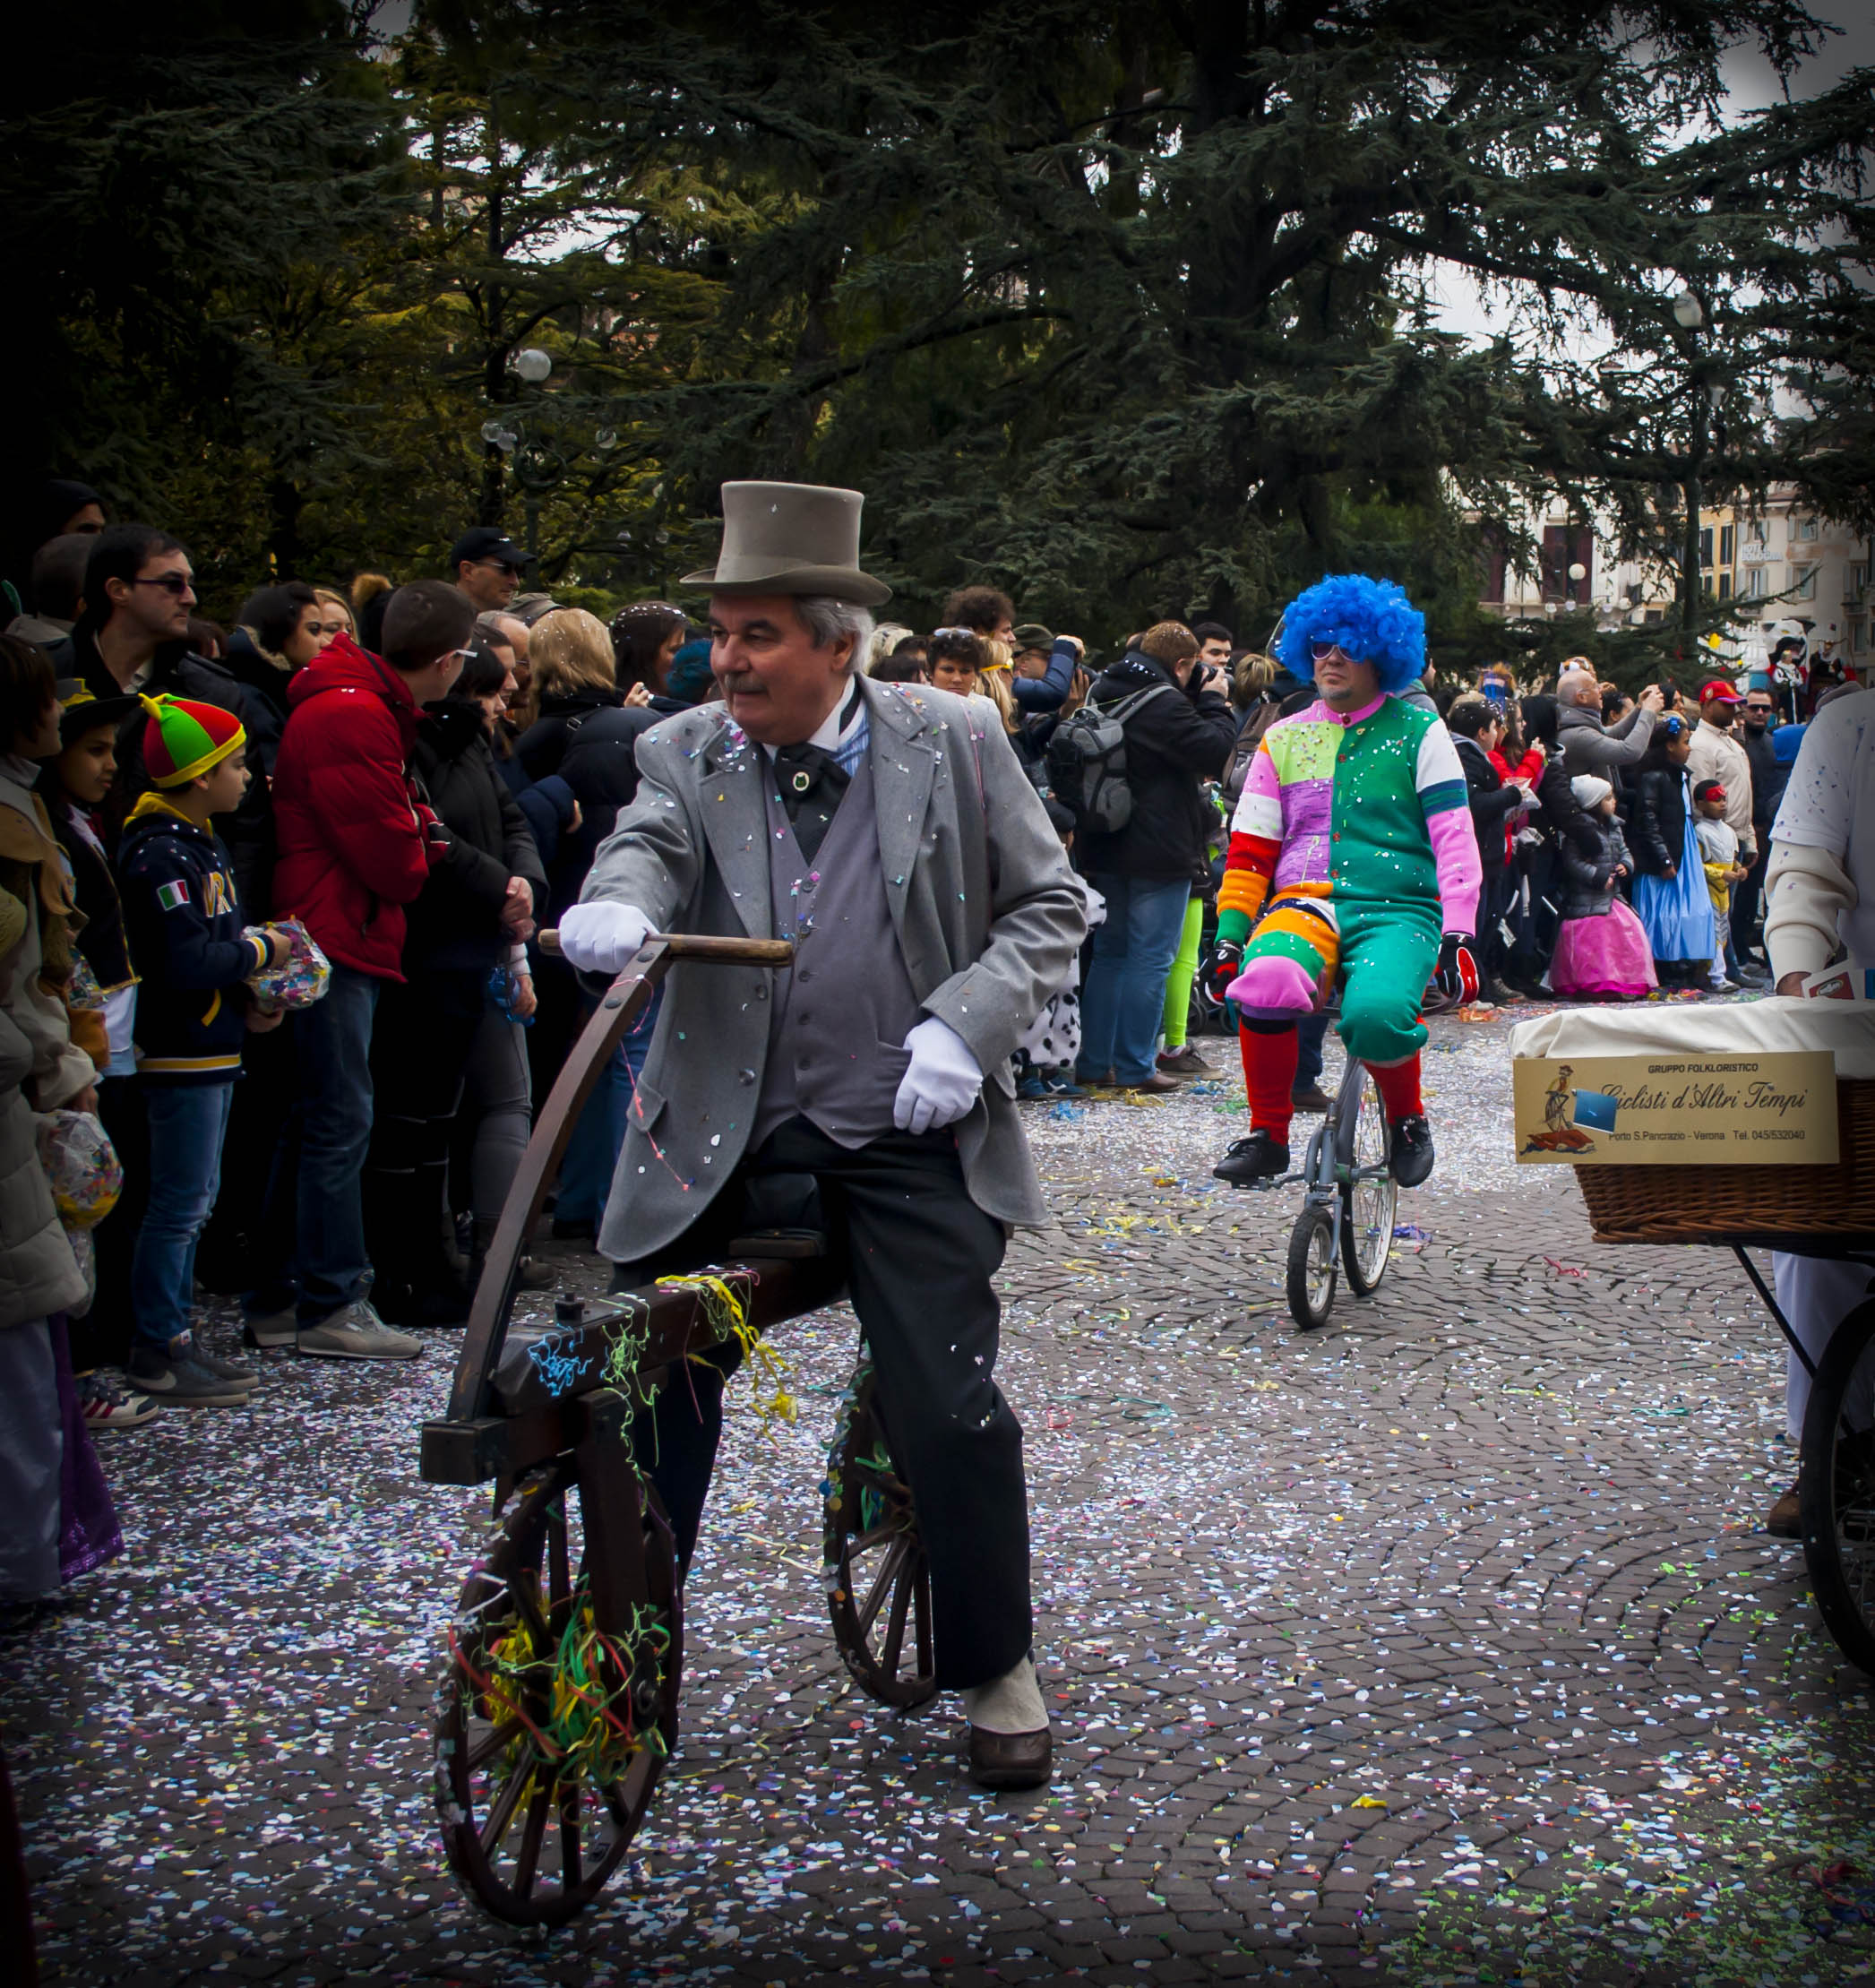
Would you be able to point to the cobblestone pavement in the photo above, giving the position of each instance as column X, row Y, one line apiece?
column 1442, row 1645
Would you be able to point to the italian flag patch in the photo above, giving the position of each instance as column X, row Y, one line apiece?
column 172, row 896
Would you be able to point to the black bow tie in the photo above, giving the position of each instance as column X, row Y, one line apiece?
column 811, row 781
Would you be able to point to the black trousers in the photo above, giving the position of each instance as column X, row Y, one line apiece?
column 919, row 1255
column 1747, row 897
column 421, row 1037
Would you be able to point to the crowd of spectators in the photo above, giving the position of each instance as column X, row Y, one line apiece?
column 405, row 783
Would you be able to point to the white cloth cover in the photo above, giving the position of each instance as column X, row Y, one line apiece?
column 1846, row 1028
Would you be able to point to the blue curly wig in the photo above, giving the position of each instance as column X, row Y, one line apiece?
column 1372, row 620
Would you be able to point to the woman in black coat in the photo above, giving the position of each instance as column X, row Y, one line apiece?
column 461, row 937
column 1558, row 821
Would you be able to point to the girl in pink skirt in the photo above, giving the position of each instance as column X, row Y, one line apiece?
column 1602, row 952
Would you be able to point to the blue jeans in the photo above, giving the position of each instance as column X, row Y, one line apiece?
column 334, row 1050
column 591, row 1156
column 1125, row 992
column 187, row 1125
column 1311, row 1033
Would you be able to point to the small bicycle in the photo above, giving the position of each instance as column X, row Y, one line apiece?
column 1350, row 1197
column 1348, row 1205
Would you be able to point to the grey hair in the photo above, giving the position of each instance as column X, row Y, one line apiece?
column 830, row 620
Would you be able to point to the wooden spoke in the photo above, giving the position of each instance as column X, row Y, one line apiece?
column 885, row 1582
column 894, row 1644
column 502, row 1814
column 528, row 1860
column 495, row 1741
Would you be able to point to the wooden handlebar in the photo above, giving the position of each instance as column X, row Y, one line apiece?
column 700, row 945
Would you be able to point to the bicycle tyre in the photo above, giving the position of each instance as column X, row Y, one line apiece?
column 1368, row 1207
column 1836, row 1500
column 1312, row 1272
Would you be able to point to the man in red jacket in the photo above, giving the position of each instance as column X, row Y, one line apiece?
column 356, row 844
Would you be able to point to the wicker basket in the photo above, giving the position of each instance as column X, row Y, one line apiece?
column 1743, row 1204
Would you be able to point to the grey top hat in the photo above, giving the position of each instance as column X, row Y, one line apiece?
column 791, row 539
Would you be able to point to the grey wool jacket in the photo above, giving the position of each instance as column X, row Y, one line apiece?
column 987, row 914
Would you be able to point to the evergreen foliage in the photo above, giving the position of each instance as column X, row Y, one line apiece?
column 1124, row 305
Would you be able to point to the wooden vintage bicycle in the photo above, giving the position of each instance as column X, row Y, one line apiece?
column 558, row 1704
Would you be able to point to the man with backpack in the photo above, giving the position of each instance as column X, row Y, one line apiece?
column 1128, row 763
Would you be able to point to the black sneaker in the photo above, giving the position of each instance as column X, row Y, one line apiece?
column 1410, row 1160
column 175, row 1378
column 414, row 1311
column 223, row 1370
column 1259, row 1157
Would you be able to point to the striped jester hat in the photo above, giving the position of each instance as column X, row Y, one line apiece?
column 184, row 740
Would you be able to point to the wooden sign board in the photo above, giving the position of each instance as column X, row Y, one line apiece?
column 1753, row 1110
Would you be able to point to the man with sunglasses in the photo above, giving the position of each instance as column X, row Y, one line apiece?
column 1353, row 863
column 133, row 638
column 487, row 568
column 1770, row 776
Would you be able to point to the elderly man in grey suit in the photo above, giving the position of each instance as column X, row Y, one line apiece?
column 890, row 833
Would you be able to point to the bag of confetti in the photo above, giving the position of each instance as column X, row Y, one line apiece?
column 305, row 976
column 82, row 1166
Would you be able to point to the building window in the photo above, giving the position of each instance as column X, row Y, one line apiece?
column 1493, row 563
column 1859, row 637
column 1728, row 544
column 1724, row 585
column 1563, row 546
column 1855, row 582
column 1802, row 528
column 1706, row 546
column 1754, row 584
column 1803, row 584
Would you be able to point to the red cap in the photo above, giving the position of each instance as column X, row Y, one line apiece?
column 1714, row 792
column 1720, row 689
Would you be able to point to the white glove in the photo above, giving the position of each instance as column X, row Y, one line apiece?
column 944, row 1081
column 602, row 937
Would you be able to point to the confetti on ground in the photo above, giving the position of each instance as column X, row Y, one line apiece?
column 1440, row 1647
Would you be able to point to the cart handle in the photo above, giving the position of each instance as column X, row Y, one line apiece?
column 697, row 945
column 619, row 1009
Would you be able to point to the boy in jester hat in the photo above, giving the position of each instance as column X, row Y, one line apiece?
column 191, row 953
column 1352, row 856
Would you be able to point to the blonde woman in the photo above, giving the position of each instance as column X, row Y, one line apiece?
column 335, row 613
column 886, row 638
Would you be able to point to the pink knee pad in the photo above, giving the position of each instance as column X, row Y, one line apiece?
column 1273, row 983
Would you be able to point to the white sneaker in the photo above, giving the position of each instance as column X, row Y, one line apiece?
column 356, row 1333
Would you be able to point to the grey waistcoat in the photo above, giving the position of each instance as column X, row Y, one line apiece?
column 842, row 1012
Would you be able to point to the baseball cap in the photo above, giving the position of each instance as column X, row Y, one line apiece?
column 1717, row 687
column 487, row 542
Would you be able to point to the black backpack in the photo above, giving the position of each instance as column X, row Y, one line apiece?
column 1086, row 763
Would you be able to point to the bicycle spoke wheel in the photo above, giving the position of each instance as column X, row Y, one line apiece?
column 551, row 1730
column 878, row 1581
column 1311, row 1282
column 1838, row 1498
column 1367, row 1206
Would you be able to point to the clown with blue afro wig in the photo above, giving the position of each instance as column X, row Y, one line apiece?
column 1354, row 863
column 1370, row 620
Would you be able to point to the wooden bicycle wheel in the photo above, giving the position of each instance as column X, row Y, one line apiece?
column 552, row 1727
column 878, row 1580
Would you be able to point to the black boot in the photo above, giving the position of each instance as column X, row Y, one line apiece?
column 1253, row 1160
column 1410, row 1159
column 528, row 1275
